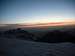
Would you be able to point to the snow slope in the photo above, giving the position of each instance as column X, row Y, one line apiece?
column 13, row 47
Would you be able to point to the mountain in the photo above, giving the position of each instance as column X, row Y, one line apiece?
column 13, row 47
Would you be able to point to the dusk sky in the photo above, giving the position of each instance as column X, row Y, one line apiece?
column 36, row 11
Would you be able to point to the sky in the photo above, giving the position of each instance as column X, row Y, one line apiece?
column 36, row 11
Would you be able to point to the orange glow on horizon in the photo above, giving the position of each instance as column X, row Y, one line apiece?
column 49, row 24
column 43, row 25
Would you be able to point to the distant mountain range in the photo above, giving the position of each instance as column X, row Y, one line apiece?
column 37, row 25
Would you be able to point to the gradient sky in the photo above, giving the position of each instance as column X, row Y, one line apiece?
column 36, row 11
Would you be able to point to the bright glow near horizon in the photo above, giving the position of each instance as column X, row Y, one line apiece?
column 47, row 19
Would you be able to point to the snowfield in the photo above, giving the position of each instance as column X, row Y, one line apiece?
column 14, row 47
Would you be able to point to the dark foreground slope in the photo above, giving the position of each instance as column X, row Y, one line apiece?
column 53, row 36
column 13, row 47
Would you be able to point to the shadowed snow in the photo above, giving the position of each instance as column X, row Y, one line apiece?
column 13, row 47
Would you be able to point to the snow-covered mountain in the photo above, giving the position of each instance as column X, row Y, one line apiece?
column 14, row 47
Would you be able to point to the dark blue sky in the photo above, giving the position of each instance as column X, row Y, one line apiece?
column 36, row 11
